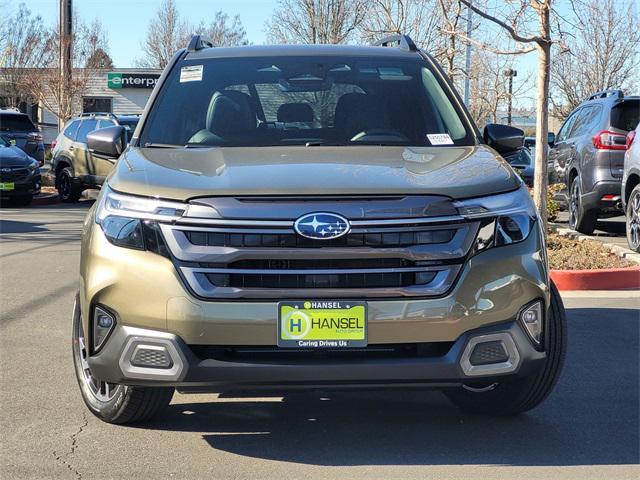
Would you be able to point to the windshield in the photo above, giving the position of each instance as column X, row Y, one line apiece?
column 13, row 122
column 303, row 101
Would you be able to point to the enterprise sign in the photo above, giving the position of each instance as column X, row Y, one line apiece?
column 116, row 80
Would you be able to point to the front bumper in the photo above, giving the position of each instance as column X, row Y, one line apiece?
column 22, row 188
column 190, row 371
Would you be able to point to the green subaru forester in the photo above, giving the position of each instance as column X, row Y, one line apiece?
column 312, row 217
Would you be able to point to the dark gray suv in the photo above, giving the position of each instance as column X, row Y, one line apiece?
column 590, row 147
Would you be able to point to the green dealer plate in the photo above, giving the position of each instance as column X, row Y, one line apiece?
column 322, row 324
column 6, row 187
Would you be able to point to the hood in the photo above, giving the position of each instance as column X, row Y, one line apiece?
column 14, row 157
column 180, row 174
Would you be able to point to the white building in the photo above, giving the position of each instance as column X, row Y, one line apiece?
column 121, row 91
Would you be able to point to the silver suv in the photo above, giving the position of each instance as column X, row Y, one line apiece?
column 590, row 147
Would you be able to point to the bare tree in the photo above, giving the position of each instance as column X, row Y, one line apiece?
column 224, row 31
column 528, row 24
column 165, row 35
column 23, row 44
column 315, row 21
column 411, row 17
column 602, row 52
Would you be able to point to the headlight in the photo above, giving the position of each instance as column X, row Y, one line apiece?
column 131, row 222
column 505, row 218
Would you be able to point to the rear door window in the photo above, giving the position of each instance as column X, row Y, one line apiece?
column 563, row 134
column 14, row 122
column 88, row 125
column 72, row 129
column 626, row 115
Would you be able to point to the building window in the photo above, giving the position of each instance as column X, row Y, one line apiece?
column 96, row 104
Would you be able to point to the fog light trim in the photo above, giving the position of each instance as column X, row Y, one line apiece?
column 531, row 317
column 102, row 326
column 510, row 365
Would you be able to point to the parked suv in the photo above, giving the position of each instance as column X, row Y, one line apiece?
column 18, row 129
column 631, row 189
column 76, row 168
column 312, row 216
column 590, row 149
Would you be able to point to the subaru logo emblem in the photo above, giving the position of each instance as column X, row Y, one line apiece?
column 5, row 170
column 322, row 226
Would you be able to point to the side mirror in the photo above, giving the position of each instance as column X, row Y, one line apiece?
column 551, row 139
column 503, row 138
column 107, row 141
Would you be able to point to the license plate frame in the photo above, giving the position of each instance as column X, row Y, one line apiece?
column 7, row 186
column 322, row 324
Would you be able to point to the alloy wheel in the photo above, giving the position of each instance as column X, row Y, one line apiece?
column 574, row 204
column 102, row 391
column 634, row 221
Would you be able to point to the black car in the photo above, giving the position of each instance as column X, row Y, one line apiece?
column 18, row 129
column 19, row 174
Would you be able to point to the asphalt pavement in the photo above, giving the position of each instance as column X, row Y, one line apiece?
column 587, row 429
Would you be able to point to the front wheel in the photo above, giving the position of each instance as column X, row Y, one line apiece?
column 517, row 396
column 633, row 219
column 110, row 402
column 68, row 190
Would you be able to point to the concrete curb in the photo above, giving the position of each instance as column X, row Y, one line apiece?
column 601, row 279
column 45, row 199
column 621, row 252
column 604, row 279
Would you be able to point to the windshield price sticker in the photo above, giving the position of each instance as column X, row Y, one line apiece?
column 192, row 73
column 440, row 139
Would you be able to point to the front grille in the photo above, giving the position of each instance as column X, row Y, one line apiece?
column 321, row 281
column 292, row 240
column 405, row 256
column 15, row 175
column 260, row 354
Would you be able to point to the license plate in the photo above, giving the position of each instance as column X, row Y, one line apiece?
column 7, row 186
column 322, row 324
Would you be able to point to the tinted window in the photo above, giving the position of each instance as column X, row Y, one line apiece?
column 521, row 158
column 14, row 122
column 3, row 142
column 88, row 125
column 300, row 100
column 96, row 104
column 566, row 127
column 71, row 129
column 626, row 115
column 584, row 121
column 105, row 124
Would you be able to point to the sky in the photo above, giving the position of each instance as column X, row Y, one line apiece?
column 126, row 23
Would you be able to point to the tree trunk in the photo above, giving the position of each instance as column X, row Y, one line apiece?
column 540, row 181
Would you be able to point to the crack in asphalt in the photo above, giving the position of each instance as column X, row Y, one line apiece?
column 74, row 444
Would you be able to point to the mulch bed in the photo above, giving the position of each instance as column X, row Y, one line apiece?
column 565, row 253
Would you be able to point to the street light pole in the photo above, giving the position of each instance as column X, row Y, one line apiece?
column 65, row 35
column 467, row 62
column 510, row 73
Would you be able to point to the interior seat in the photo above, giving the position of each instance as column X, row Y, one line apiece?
column 360, row 112
column 230, row 114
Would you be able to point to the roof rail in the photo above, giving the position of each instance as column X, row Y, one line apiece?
column 198, row 42
column 403, row 41
column 96, row 114
column 612, row 92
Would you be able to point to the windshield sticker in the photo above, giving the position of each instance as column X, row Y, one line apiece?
column 440, row 139
column 192, row 73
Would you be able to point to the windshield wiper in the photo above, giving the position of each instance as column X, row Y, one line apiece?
column 162, row 145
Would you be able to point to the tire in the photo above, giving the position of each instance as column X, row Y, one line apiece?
column 580, row 220
column 518, row 396
column 633, row 219
column 68, row 190
column 114, row 403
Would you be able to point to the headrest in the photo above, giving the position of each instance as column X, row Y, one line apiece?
column 231, row 112
column 295, row 112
